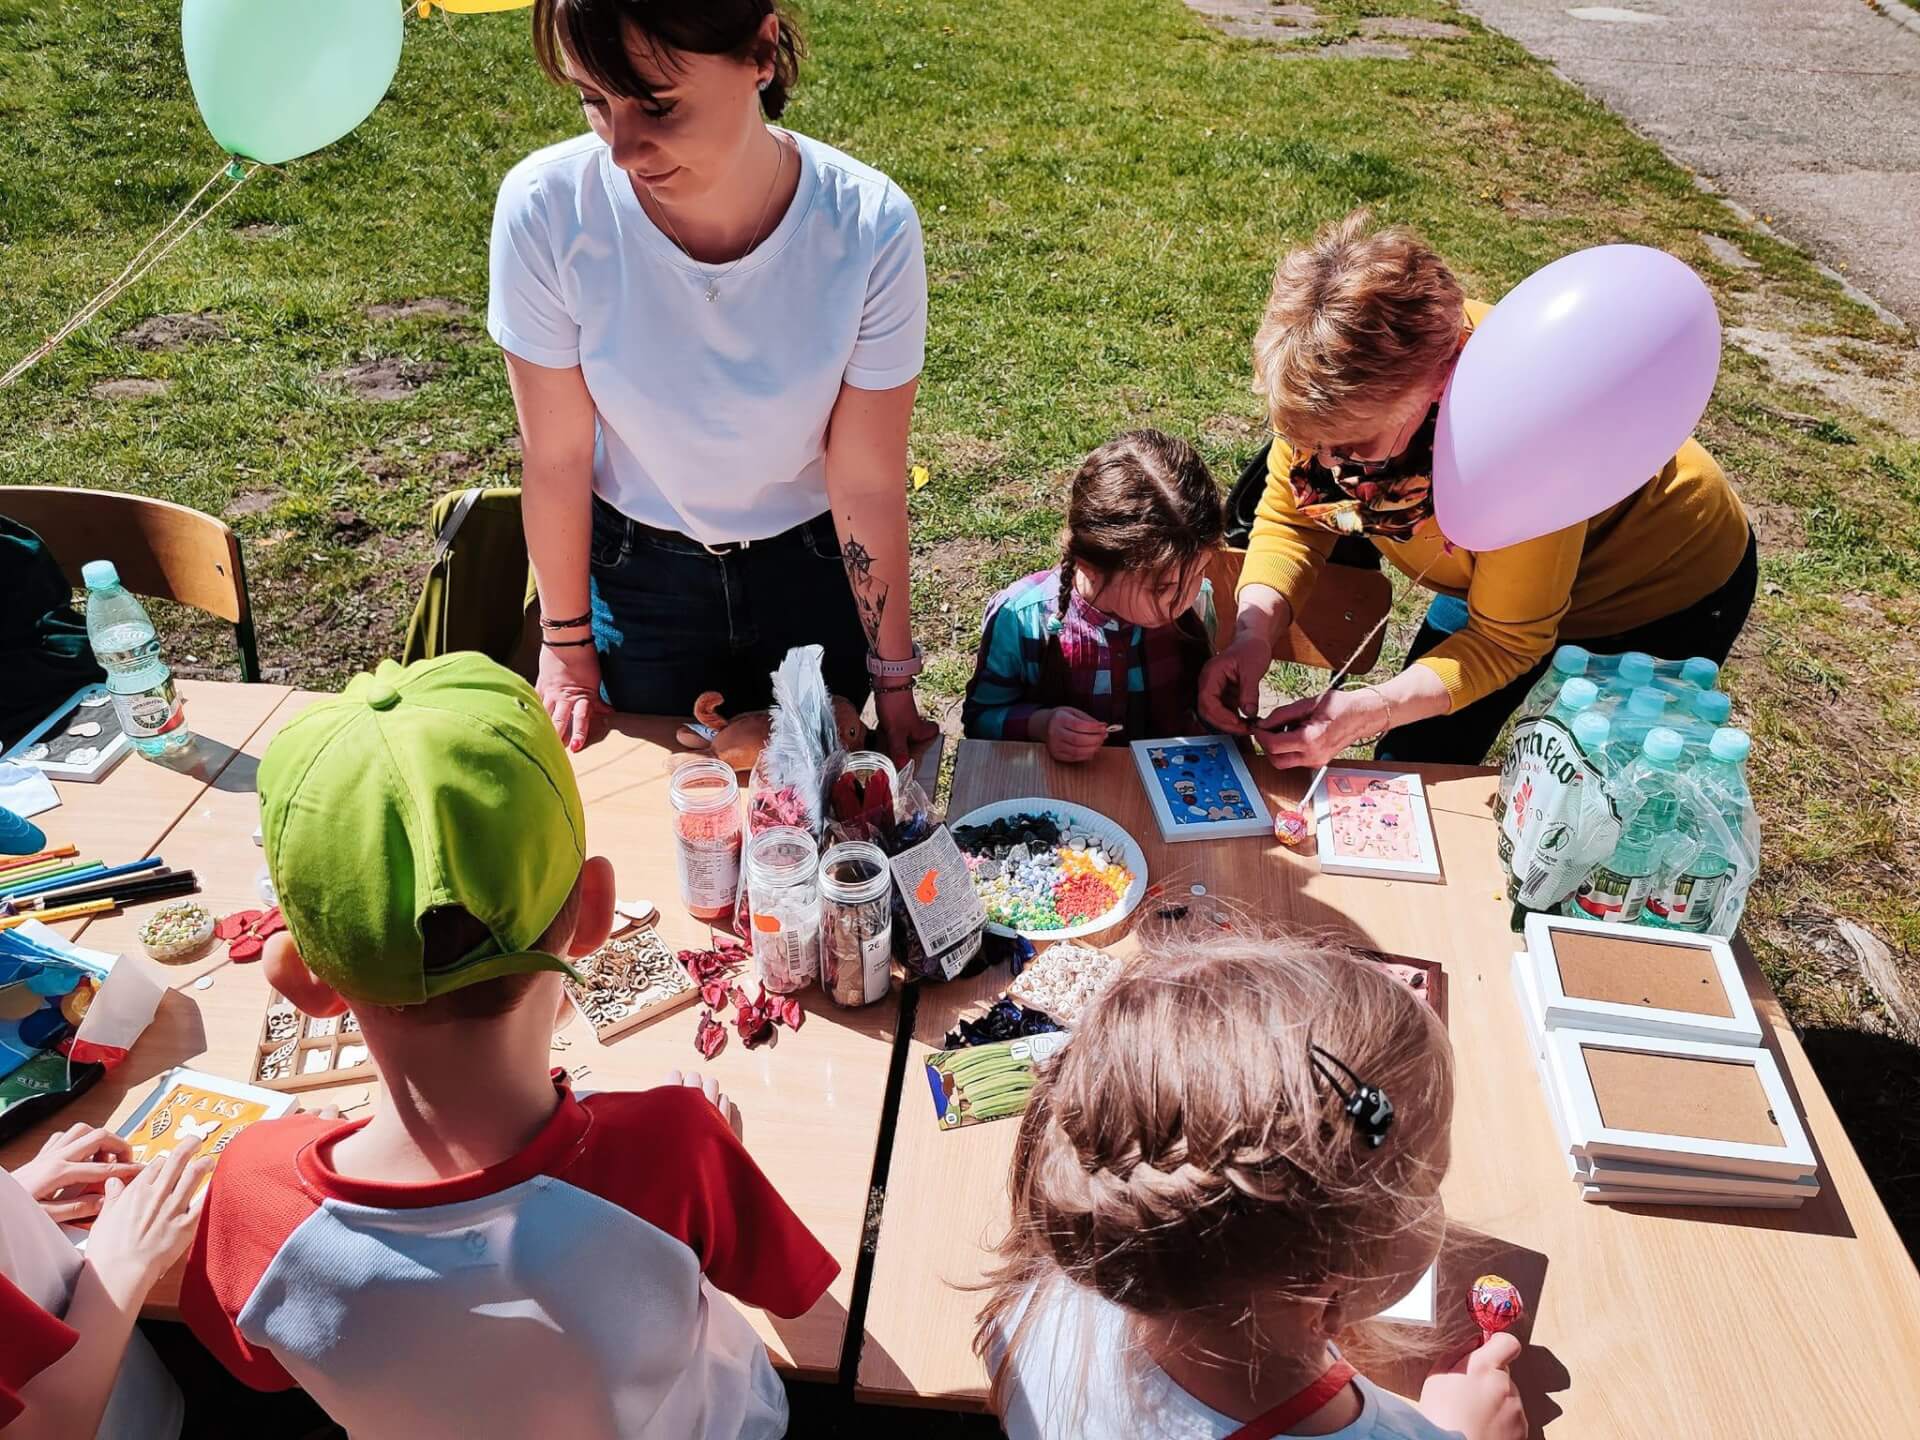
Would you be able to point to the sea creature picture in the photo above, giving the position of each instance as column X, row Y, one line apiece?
column 1200, row 788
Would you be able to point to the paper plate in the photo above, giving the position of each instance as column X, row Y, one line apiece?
column 1113, row 839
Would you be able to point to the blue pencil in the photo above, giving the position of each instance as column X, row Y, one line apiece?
column 106, row 872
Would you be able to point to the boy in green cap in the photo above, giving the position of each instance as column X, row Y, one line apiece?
column 486, row 1254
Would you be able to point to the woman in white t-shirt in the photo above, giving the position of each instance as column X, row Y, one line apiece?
column 714, row 329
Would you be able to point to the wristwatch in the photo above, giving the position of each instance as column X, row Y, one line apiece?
column 897, row 669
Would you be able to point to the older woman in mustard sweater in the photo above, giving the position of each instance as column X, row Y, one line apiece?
column 1359, row 338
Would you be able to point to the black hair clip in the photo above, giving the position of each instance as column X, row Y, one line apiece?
column 1369, row 1106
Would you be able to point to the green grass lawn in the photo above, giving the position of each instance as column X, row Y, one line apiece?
column 1105, row 186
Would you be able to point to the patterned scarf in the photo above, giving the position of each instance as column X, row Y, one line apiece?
column 1392, row 502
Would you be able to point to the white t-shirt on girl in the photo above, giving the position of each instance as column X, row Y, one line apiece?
column 1122, row 1400
column 712, row 413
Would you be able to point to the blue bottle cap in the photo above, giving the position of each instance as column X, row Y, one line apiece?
column 1578, row 693
column 1648, row 703
column 1730, row 745
column 1662, row 745
column 1636, row 667
column 1701, row 672
column 1712, row 706
column 99, row 575
column 1592, row 730
column 18, row 835
column 1571, row 660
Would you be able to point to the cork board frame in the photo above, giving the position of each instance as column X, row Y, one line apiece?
column 1635, row 980
column 1632, row 1097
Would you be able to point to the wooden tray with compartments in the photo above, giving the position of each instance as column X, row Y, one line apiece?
column 630, row 980
column 299, row 1052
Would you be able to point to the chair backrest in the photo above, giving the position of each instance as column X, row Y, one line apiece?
column 1346, row 603
column 160, row 549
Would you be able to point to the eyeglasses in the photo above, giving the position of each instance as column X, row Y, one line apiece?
column 1338, row 459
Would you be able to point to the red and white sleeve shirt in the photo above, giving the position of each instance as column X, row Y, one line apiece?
column 569, row 1290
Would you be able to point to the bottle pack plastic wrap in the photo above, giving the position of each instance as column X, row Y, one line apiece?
column 1566, row 809
column 788, row 785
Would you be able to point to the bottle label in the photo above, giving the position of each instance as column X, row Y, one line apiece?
column 709, row 871
column 1608, row 895
column 1559, row 821
column 945, row 910
column 1690, row 901
column 151, row 711
column 876, row 963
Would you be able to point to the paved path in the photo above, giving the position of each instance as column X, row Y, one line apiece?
column 1807, row 111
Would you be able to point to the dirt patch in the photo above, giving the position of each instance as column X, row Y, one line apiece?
column 1404, row 27
column 1352, row 50
column 1238, row 434
column 1257, row 19
column 1726, row 252
column 253, row 502
column 129, row 389
column 1831, row 369
column 349, row 527
column 962, row 457
column 1779, row 527
column 171, row 332
column 430, row 306
column 383, row 379
column 259, row 230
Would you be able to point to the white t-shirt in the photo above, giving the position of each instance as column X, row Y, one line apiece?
column 38, row 1266
column 712, row 414
column 1133, row 1401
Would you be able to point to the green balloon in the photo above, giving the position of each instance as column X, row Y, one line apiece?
column 277, row 79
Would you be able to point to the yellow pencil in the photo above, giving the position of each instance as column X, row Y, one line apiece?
column 63, row 912
column 59, row 852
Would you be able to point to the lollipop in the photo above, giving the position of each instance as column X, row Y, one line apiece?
column 1495, row 1303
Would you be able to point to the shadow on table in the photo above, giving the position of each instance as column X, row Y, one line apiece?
column 1399, row 1357
column 1874, row 1084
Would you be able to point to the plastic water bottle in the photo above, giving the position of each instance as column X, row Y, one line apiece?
column 128, row 650
column 1569, row 661
column 1701, row 673
column 1646, row 708
column 1635, row 670
column 1706, row 711
column 1617, row 889
column 1691, row 899
column 1577, row 696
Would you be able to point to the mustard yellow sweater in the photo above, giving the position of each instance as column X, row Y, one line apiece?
column 1672, row 542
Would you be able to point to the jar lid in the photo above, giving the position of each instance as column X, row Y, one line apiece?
column 703, row 785
column 855, row 871
column 784, row 855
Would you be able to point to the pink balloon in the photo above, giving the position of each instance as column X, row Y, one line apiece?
column 1572, row 394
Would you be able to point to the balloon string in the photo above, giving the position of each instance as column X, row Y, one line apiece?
column 148, row 256
column 1380, row 624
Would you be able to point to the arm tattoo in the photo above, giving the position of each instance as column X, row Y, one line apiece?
column 869, row 590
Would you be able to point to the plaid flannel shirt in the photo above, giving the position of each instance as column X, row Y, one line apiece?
column 1032, row 658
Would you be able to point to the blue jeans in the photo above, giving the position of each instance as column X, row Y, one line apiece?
column 671, row 618
column 1707, row 627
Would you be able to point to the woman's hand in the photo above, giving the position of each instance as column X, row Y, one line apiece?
column 68, row 1174
column 146, row 1225
column 1312, row 730
column 1072, row 736
column 1477, row 1396
column 1230, row 683
column 569, row 685
column 902, row 726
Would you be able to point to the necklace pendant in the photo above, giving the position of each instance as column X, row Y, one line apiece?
column 713, row 293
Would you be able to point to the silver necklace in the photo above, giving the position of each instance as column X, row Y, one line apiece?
column 713, row 285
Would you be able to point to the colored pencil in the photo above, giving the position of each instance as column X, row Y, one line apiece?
column 65, row 912
column 59, row 852
column 21, row 874
column 125, row 889
column 19, row 884
column 106, row 872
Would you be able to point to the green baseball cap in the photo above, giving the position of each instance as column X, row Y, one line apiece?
column 418, row 787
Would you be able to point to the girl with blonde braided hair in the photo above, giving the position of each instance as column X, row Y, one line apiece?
column 1238, row 1156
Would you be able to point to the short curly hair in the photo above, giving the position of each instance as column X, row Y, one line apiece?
column 1355, row 321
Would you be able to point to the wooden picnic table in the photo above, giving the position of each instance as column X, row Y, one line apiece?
column 811, row 1104
column 1646, row 1322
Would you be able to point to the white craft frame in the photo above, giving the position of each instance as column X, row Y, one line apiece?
column 1536, row 1047
column 1593, row 1139
column 1427, row 872
column 277, row 1103
column 1173, row 833
column 1609, row 1195
column 111, row 753
column 1675, row 1179
column 1559, row 1010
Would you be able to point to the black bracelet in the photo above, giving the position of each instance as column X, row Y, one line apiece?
column 565, row 644
column 546, row 624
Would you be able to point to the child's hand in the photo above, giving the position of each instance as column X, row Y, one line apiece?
column 710, row 1087
column 67, row 1175
column 1477, row 1396
column 146, row 1225
column 1073, row 735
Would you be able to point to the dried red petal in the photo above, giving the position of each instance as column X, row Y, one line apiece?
column 709, row 1036
column 714, row 993
column 722, row 941
column 271, row 923
column 247, row 947
column 231, row 927
column 737, row 996
column 788, row 1012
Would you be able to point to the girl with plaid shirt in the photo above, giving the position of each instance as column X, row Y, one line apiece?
column 1107, row 647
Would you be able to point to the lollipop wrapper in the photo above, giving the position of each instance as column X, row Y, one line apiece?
column 1495, row 1303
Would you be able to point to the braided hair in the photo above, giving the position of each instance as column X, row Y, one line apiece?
column 1144, row 502
column 1182, row 1158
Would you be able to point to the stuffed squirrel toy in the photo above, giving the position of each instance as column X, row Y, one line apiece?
column 739, row 741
